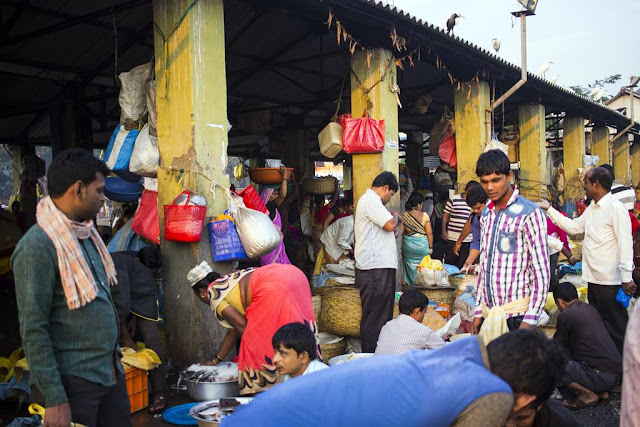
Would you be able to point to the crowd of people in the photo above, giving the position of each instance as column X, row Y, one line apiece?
column 74, row 304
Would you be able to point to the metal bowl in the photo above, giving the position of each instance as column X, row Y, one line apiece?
column 202, row 391
column 204, row 405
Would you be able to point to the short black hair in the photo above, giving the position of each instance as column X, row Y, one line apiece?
column 414, row 200
column 149, row 256
column 204, row 283
column 16, row 202
column 412, row 299
column 493, row 161
column 318, row 200
column 565, row 291
column 528, row 361
column 602, row 176
column 608, row 167
column 476, row 195
column 296, row 336
column 70, row 166
column 470, row 185
column 386, row 178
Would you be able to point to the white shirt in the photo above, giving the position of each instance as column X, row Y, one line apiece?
column 314, row 366
column 375, row 247
column 338, row 237
column 607, row 249
column 555, row 245
column 404, row 334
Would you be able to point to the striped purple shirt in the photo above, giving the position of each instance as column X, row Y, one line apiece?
column 514, row 257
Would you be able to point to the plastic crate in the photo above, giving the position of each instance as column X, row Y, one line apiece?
column 225, row 242
column 252, row 199
column 137, row 388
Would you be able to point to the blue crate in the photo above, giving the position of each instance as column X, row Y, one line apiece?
column 225, row 242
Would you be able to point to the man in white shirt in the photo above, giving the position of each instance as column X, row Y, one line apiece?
column 338, row 238
column 406, row 332
column 376, row 256
column 295, row 351
column 607, row 250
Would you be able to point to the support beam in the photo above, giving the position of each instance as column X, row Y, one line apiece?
column 471, row 101
column 622, row 159
column 296, row 152
column 573, row 152
column 635, row 161
column 367, row 166
column 414, row 159
column 533, row 151
column 600, row 144
column 192, row 136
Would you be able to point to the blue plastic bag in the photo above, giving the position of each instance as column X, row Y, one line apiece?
column 118, row 154
column 623, row 298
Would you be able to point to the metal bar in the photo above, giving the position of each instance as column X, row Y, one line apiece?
column 289, row 61
column 293, row 82
column 75, row 21
column 238, row 35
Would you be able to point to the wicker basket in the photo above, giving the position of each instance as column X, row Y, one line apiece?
column 461, row 282
column 322, row 186
column 549, row 330
column 341, row 311
column 438, row 295
column 316, row 300
column 328, row 285
column 331, row 346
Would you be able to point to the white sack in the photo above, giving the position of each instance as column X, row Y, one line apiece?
column 132, row 97
column 259, row 236
column 145, row 157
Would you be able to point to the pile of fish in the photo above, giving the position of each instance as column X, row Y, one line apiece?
column 224, row 372
column 218, row 410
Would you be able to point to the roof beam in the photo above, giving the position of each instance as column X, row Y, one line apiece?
column 84, row 19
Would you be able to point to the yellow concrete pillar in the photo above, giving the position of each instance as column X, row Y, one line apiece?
column 635, row 162
column 471, row 101
column 533, row 151
column 573, row 150
column 383, row 105
column 192, row 136
column 600, row 144
column 622, row 159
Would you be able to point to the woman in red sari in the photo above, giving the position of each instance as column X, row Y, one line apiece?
column 254, row 304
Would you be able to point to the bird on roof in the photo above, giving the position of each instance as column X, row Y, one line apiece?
column 554, row 79
column 545, row 67
column 496, row 45
column 568, row 89
column 598, row 96
column 594, row 91
column 453, row 21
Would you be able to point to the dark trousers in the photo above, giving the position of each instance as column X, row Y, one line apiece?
column 614, row 315
column 514, row 323
column 553, row 265
column 457, row 260
column 158, row 376
column 377, row 293
column 94, row 405
column 589, row 378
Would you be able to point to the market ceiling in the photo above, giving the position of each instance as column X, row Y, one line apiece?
column 282, row 57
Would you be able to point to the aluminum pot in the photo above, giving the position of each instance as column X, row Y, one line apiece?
column 204, row 405
column 202, row 391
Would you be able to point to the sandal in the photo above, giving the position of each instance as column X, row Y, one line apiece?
column 158, row 405
column 576, row 404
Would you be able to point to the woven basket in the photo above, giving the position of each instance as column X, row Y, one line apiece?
column 577, row 251
column 321, row 186
column 341, row 311
column 328, row 285
column 331, row 346
column 462, row 282
column 549, row 330
column 438, row 295
column 316, row 300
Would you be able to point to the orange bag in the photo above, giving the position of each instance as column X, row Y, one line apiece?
column 447, row 150
column 145, row 221
column 363, row 135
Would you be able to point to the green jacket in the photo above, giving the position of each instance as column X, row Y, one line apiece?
column 56, row 340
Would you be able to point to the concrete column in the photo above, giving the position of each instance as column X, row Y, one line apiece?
column 192, row 136
column 347, row 177
column 383, row 106
column 296, row 153
column 635, row 162
column 622, row 159
column 533, row 151
column 414, row 158
column 573, row 151
column 471, row 101
column 600, row 144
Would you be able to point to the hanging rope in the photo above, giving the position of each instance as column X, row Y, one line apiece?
column 367, row 90
column 115, row 51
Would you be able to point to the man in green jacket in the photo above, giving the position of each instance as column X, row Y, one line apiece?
column 68, row 322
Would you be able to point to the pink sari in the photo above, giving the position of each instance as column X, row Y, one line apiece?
column 279, row 255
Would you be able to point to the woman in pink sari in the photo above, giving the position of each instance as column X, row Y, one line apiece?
column 273, row 199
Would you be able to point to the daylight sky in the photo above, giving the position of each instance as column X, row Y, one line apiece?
column 586, row 40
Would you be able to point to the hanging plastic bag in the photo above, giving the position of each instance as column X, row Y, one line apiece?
column 496, row 144
column 118, row 154
column 145, row 221
column 447, row 150
column 145, row 156
column 257, row 233
column 363, row 135
column 184, row 223
column 132, row 99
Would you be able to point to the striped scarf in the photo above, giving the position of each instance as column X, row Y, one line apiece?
column 412, row 225
column 78, row 282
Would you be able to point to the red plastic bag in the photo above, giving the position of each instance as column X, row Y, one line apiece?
column 363, row 135
column 447, row 150
column 252, row 199
column 145, row 221
column 183, row 223
column 342, row 118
